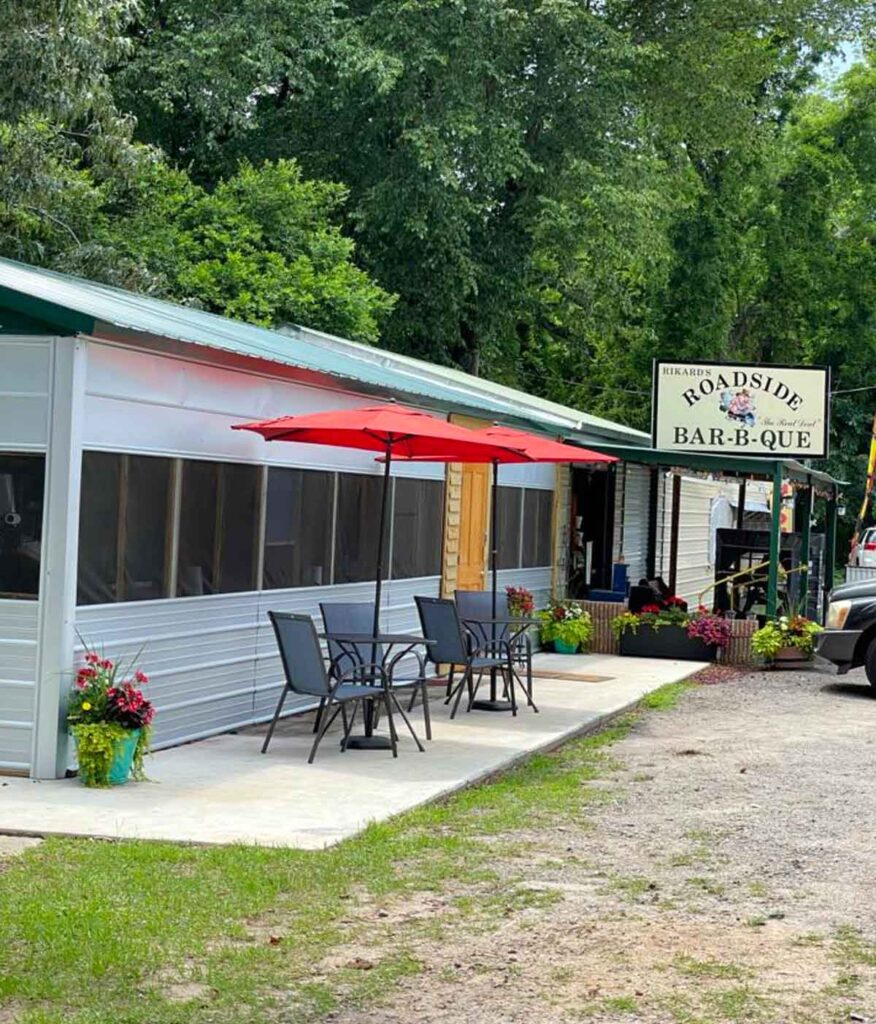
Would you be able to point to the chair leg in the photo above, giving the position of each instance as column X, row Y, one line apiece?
column 323, row 730
column 473, row 691
column 508, row 674
column 393, row 735
column 348, row 726
column 274, row 720
column 449, row 690
column 466, row 679
column 407, row 722
column 427, row 712
column 319, row 711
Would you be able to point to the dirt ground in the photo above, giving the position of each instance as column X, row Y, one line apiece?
column 727, row 876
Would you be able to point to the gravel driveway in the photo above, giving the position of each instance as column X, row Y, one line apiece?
column 727, row 876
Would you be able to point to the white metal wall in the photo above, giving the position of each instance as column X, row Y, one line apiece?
column 536, row 580
column 695, row 570
column 632, row 490
column 25, row 384
column 213, row 661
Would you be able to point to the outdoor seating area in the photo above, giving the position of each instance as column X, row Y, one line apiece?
column 222, row 789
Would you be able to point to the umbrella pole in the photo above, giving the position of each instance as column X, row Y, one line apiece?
column 384, row 502
column 494, row 541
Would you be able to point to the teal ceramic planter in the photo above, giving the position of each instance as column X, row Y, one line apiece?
column 563, row 648
column 123, row 760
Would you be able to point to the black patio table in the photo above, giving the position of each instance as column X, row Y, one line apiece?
column 511, row 630
column 350, row 644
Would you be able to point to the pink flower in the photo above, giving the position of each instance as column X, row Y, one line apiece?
column 141, row 677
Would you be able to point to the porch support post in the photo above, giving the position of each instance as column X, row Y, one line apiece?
column 829, row 546
column 651, row 554
column 673, row 532
column 59, row 558
column 740, row 508
column 805, row 553
column 775, row 542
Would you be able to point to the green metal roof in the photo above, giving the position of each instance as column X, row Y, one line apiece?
column 723, row 465
column 76, row 306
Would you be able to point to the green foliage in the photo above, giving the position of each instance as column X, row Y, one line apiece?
column 567, row 622
column 96, row 744
column 784, row 632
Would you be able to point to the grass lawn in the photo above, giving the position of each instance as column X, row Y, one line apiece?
column 96, row 931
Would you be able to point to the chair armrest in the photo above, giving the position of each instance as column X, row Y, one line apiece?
column 389, row 667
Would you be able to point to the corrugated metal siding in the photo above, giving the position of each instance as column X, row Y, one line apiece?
column 695, row 569
column 632, row 489
column 19, row 621
column 859, row 573
column 25, row 382
column 537, row 580
column 213, row 661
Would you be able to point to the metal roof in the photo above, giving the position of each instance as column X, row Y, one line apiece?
column 86, row 307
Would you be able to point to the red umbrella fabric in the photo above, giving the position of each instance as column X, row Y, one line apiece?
column 542, row 449
column 392, row 430
column 407, row 433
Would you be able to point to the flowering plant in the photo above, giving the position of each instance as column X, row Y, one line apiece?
column 711, row 629
column 566, row 621
column 786, row 631
column 520, row 601
column 106, row 706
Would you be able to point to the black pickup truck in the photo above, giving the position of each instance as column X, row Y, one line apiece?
column 849, row 638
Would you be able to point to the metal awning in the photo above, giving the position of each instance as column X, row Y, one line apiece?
column 733, row 466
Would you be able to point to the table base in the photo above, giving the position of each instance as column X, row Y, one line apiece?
column 369, row 743
column 492, row 705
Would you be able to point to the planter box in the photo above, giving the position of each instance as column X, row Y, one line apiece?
column 666, row 642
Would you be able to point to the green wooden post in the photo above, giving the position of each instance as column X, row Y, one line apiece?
column 775, row 543
column 829, row 546
column 805, row 553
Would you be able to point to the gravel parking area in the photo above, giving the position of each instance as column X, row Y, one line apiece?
column 725, row 872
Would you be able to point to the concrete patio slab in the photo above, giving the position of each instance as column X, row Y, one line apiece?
column 223, row 790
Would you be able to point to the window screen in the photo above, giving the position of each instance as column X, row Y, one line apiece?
column 298, row 528
column 99, row 528
column 357, row 525
column 22, row 483
column 537, row 509
column 145, row 496
column 508, row 512
column 197, row 528
column 237, row 528
column 418, row 520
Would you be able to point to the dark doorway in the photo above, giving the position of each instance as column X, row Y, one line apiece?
column 592, row 530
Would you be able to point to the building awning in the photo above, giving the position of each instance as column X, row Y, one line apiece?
column 719, row 465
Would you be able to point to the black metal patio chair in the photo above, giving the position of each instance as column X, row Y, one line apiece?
column 306, row 675
column 452, row 646
column 358, row 617
column 477, row 606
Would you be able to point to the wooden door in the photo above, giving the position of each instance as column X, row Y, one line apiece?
column 474, row 509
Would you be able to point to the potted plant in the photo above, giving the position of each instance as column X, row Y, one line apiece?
column 521, row 603
column 567, row 626
column 110, row 720
column 786, row 639
column 671, row 631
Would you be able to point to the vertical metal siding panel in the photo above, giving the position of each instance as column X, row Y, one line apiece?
column 537, row 580
column 631, row 518
column 18, row 655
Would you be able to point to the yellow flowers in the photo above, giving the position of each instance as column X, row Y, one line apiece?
column 86, row 706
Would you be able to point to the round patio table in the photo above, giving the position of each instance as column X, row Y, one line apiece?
column 507, row 629
column 351, row 644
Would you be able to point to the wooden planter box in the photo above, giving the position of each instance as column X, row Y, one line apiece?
column 666, row 642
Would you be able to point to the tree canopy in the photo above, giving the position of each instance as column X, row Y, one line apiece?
column 547, row 192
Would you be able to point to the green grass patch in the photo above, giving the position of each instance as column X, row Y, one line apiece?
column 666, row 697
column 690, row 967
column 95, row 932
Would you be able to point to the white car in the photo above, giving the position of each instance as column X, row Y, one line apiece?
column 865, row 552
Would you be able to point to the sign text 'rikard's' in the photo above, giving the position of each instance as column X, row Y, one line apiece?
column 738, row 409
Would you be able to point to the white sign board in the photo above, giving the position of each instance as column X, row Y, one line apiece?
column 738, row 409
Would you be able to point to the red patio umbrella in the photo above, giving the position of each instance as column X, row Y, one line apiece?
column 520, row 446
column 394, row 431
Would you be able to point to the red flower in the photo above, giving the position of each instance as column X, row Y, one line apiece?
column 106, row 663
column 92, row 657
column 650, row 609
column 674, row 600
column 141, row 676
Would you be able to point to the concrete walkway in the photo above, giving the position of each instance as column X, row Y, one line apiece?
column 223, row 790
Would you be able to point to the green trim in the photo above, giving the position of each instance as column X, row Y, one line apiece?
column 829, row 546
column 806, row 531
column 772, row 603
column 60, row 319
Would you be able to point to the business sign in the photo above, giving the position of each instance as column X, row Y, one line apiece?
column 738, row 409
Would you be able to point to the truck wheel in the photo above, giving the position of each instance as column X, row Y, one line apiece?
column 870, row 662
